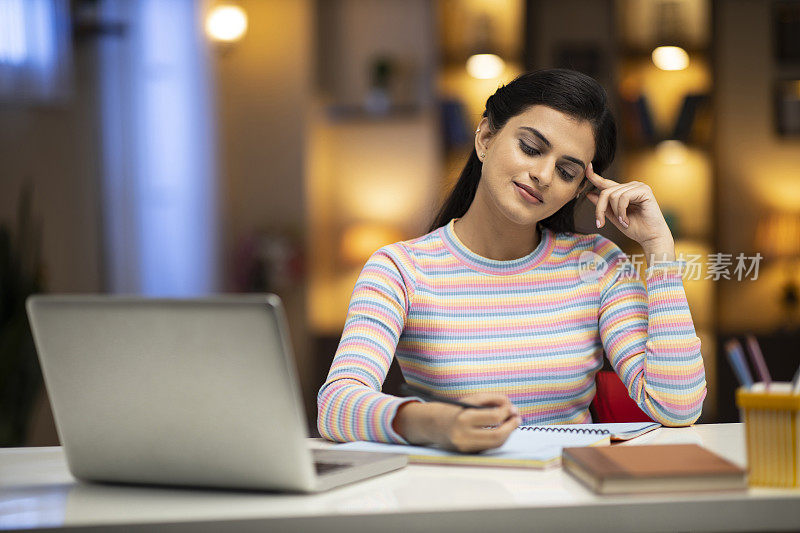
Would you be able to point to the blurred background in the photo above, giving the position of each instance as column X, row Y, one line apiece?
column 182, row 148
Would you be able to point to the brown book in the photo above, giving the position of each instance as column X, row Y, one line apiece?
column 652, row 468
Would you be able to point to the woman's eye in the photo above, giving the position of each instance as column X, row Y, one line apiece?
column 530, row 150
column 567, row 176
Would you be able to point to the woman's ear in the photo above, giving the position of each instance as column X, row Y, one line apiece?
column 482, row 135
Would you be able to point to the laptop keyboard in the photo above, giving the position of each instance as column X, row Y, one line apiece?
column 323, row 467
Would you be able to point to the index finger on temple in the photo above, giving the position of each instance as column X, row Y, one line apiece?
column 595, row 178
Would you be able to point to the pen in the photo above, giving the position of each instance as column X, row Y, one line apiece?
column 738, row 363
column 758, row 360
column 411, row 390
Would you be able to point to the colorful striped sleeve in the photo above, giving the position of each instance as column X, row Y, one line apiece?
column 649, row 337
column 350, row 405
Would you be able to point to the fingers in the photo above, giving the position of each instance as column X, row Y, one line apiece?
column 602, row 204
column 490, row 417
column 600, row 199
column 609, row 213
column 613, row 202
column 597, row 180
column 482, row 429
column 636, row 195
column 503, row 409
column 494, row 437
column 623, row 203
column 616, row 199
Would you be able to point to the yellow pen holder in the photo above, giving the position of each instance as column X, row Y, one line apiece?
column 772, row 427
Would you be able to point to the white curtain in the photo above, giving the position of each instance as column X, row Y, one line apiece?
column 35, row 45
column 160, row 193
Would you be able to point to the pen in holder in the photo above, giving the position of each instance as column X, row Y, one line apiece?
column 771, row 419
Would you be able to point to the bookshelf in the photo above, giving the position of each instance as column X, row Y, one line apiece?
column 666, row 141
column 466, row 28
column 373, row 154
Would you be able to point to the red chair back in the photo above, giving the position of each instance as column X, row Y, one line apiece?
column 612, row 403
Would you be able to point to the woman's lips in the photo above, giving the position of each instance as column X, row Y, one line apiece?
column 529, row 194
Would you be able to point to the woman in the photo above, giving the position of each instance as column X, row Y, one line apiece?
column 503, row 304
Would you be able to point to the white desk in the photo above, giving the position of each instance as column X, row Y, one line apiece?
column 37, row 491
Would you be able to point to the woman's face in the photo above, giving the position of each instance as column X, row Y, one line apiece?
column 541, row 149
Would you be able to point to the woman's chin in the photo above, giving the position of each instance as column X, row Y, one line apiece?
column 522, row 218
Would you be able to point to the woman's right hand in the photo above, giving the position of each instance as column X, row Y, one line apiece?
column 456, row 428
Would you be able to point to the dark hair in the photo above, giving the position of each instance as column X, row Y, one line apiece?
column 568, row 91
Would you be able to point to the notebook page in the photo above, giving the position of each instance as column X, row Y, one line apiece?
column 619, row 430
column 521, row 444
column 539, row 454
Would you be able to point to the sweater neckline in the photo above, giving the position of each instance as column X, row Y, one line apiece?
column 496, row 266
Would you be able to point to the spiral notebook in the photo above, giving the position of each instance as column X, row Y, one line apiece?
column 527, row 446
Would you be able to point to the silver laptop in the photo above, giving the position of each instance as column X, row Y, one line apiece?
column 199, row 392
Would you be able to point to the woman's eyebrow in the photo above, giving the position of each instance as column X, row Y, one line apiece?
column 546, row 142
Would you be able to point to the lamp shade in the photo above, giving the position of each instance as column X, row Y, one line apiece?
column 778, row 235
column 359, row 241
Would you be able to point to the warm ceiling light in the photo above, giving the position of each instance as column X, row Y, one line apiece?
column 671, row 152
column 485, row 66
column 226, row 23
column 670, row 58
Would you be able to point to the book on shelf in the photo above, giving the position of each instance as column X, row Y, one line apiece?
column 640, row 128
column 686, row 118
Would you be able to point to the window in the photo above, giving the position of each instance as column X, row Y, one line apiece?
column 34, row 50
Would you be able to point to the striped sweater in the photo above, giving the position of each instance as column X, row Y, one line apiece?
column 533, row 328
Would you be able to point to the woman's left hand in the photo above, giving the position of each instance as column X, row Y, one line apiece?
column 631, row 207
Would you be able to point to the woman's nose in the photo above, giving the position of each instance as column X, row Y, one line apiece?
column 543, row 174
